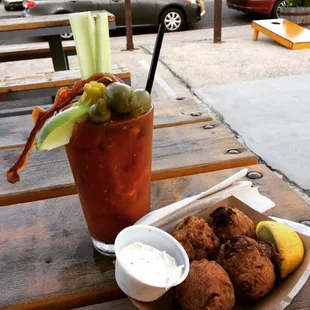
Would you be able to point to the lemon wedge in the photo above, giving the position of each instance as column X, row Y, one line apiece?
column 286, row 241
column 57, row 131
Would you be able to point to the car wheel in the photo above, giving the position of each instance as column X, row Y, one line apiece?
column 173, row 19
column 276, row 9
column 66, row 36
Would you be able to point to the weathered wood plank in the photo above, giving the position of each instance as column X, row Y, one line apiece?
column 289, row 204
column 23, row 110
column 178, row 112
column 302, row 300
column 14, row 130
column 30, row 48
column 177, row 151
column 50, row 79
column 41, row 21
column 47, row 259
column 124, row 304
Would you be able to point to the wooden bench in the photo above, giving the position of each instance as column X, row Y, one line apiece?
column 36, row 50
column 48, row 27
column 46, row 84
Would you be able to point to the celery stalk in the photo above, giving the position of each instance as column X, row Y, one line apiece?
column 83, row 28
column 103, row 51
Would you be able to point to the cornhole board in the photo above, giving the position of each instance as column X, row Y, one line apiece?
column 284, row 32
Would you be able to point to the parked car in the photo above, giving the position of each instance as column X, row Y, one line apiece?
column 12, row 4
column 270, row 8
column 175, row 14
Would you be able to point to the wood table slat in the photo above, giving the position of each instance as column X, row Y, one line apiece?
column 42, row 21
column 30, row 48
column 177, row 151
column 179, row 112
column 46, row 255
column 14, row 130
column 64, row 78
column 124, row 304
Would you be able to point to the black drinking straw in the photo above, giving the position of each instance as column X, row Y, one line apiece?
column 156, row 52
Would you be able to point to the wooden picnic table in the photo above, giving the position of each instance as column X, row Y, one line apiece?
column 47, row 260
column 50, row 27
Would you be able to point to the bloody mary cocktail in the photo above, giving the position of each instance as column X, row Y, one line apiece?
column 108, row 138
column 106, row 127
column 111, row 165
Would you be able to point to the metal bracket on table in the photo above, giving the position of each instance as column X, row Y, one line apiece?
column 60, row 59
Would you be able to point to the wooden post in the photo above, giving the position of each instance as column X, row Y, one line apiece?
column 129, row 42
column 217, row 34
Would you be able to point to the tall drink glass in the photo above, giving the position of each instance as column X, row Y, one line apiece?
column 111, row 166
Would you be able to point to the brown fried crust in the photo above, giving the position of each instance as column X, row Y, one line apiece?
column 207, row 287
column 249, row 266
column 197, row 238
column 228, row 222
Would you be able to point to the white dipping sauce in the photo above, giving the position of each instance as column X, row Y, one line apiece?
column 149, row 265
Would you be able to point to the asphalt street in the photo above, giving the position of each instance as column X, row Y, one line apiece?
column 229, row 18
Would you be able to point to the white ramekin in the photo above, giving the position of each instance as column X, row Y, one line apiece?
column 160, row 240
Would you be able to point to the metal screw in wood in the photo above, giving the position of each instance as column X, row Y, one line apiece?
column 233, row 151
column 195, row 114
column 208, row 127
column 254, row 175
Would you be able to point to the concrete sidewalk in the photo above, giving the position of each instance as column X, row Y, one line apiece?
column 189, row 60
column 271, row 116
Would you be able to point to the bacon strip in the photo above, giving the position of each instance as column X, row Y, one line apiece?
column 39, row 116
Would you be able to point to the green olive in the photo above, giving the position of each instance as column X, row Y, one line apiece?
column 120, row 98
column 99, row 112
column 144, row 102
